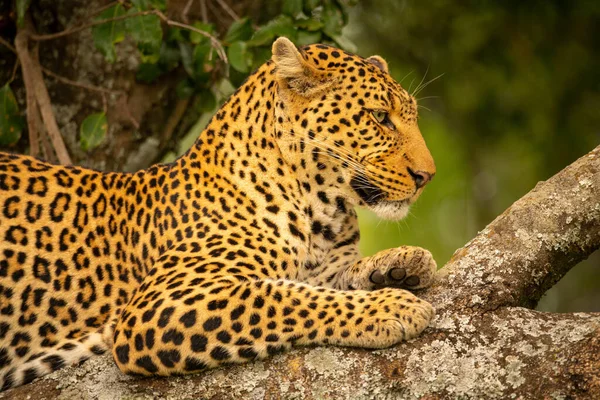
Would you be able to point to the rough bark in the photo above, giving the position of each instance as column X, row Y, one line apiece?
column 483, row 342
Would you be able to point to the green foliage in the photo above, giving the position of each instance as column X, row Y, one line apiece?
column 282, row 25
column 93, row 131
column 239, row 30
column 239, row 57
column 198, row 38
column 107, row 34
column 163, row 48
column 11, row 122
column 292, row 7
column 247, row 45
column 145, row 30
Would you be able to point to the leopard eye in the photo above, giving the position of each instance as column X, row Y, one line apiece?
column 380, row 116
column 383, row 118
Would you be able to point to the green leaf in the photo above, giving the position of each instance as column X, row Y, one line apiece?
column 198, row 38
column 176, row 35
column 239, row 57
column 11, row 123
column 239, row 30
column 292, row 7
column 306, row 37
column 310, row 24
column 147, row 32
column 22, row 6
column 201, row 62
column 107, row 34
column 345, row 43
column 187, row 57
column 141, row 5
column 93, row 131
column 333, row 20
column 282, row 25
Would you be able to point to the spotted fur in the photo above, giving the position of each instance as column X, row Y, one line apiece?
column 240, row 249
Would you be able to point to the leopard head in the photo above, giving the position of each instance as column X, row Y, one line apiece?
column 349, row 118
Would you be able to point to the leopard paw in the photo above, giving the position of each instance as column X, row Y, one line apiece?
column 404, row 267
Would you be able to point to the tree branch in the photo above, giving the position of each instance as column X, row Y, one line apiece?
column 479, row 345
column 228, row 10
column 80, row 85
column 527, row 249
column 34, row 123
column 174, row 118
column 37, row 95
column 6, row 44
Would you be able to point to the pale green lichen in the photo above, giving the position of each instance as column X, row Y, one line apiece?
column 513, row 371
column 472, row 370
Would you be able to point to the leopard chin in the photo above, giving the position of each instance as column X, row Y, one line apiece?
column 391, row 210
column 374, row 199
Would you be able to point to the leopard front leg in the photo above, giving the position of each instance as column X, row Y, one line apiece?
column 405, row 267
column 198, row 325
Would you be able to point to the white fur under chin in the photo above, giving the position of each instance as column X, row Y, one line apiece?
column 391, row 211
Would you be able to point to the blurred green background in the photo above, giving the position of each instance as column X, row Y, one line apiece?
column 514, row 98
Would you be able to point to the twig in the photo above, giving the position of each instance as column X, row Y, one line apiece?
column 34, row 83
column 5, row 43
column 34, row 138
column 101, row 90
column 80, row 28
column 79, row 84
column 203, row 11
column 104, row 103
column 174, row 119
column 45, row 104
column 228, row 10
column 49, row 154
column 130, row 116
column 103, row 8
column 214, row 41
column 34, row 125
column 218, row 12
column 186, row 10
column 14, row 71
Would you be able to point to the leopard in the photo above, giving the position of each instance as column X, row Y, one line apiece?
column 244, row 247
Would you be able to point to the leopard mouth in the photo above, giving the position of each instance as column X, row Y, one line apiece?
column 376, row 199
column 366, row 190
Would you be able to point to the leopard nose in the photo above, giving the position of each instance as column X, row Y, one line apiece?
column 421, row 178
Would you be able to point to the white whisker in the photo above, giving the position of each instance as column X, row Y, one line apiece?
column 427, row 84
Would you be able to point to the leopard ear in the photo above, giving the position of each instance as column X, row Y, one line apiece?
column 379, row 62
column 293, row 71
